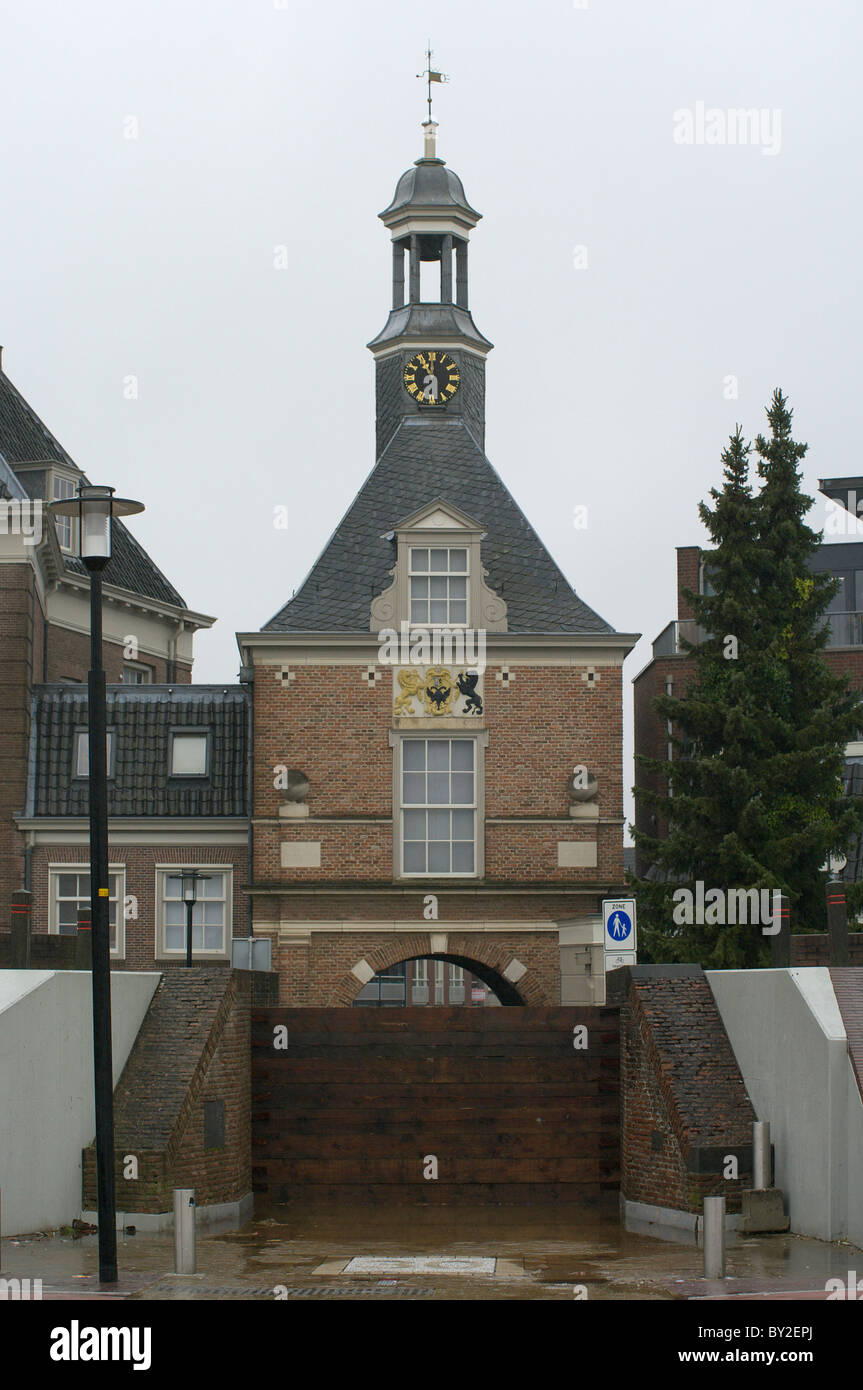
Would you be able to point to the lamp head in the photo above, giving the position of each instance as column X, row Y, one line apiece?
column 95, row 506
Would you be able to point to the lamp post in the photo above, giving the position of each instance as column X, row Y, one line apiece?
column 95, row 507
column 190, row 880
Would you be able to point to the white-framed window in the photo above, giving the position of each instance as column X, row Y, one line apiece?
column 190, row 752
column 456, row 976
column 136, row 673
column 438, row 981
column 61, row 490
column 211, row 913
column 421, row 972
column 438, row 806
column 69, row 889
column 82, row 753
column 438, row 585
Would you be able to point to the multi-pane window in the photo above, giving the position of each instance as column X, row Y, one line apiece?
column 70, row 889
column 438, row 981
column 438, row 792
column 62, row 490
column 210, row 913
column 438, row 586
column 136, row 674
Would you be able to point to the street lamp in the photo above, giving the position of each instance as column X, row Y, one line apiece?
column 94, row 507
column 190, row 880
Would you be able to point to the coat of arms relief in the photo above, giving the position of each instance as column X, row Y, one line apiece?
column 435, row 690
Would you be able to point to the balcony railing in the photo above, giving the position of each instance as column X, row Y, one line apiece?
column 668, row 642
column 846, row 629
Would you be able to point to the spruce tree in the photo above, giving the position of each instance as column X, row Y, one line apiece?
column 752, row 793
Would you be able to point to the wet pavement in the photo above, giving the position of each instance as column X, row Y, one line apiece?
column 485, row 1253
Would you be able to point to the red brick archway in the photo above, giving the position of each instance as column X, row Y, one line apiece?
column 489, row 962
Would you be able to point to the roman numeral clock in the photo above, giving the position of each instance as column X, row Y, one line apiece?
column 431, row 377
column 430, row 355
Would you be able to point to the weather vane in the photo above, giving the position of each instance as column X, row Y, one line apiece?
column 431, row 76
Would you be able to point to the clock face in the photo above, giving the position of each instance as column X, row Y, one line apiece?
column 431, row 377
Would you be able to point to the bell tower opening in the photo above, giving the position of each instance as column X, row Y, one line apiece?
column 430, row 221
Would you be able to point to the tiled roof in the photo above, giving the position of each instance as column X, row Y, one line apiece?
column 428, row 459
column 11, row 486
column 142, row 718
column 25, row 439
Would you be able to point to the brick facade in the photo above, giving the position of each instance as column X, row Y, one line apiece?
column 335, row 725
column 684, row 1106
column 141, row 863
column 21, row 625
column 67, row 657
column 193, row 1048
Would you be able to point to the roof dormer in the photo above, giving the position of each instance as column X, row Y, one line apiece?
column 438, row 576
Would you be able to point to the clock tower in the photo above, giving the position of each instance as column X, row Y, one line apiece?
column 430, row 355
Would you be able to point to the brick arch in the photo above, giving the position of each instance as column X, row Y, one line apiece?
column 476, row 953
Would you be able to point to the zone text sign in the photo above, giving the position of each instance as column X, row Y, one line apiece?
column 618, row 918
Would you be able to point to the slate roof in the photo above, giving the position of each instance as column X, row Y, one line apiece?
column 429, row 184
column 142, row 718
column 424, row 460
column 25, row 439
column 11, row 487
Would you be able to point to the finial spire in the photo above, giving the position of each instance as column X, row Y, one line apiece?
column 431, row 76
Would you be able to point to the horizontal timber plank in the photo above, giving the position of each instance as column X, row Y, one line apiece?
column 540, row 1144
column 594, row 1196
column 438, row 1069
column 356, row 1094
column 457, row 1169
column 436, row 1019
column 588, row 1115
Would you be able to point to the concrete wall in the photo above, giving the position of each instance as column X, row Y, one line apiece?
column 789, row 1041
column 46, row 1086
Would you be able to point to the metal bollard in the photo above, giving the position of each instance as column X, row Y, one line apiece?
column 761, row 1175
column 184, row 1230
column 714, row 1237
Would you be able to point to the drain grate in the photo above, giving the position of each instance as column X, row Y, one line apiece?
column 287, row 1291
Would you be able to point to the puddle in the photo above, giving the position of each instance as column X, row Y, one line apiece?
column 452, row 1253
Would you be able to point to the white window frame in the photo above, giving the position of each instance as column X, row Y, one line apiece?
column 118, row 870
column 438, row 981
column 162, row 952
column 110, row 749
column 480, row 740
column 63, row 488
column 189, row 732
column 138, row 667
column 429, row 574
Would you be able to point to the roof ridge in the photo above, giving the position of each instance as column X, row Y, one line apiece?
column 416, row 466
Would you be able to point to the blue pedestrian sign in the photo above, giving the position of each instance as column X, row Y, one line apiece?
column 619, row 920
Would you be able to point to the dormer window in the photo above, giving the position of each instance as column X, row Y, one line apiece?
column 61, row 490
column 438, row 575
column 190, row 753
column 438, row 586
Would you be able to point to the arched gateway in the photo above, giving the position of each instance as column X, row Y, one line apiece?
column 512, row 982
column 437, row 713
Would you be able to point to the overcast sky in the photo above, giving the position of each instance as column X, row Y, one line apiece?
column 157, row 156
